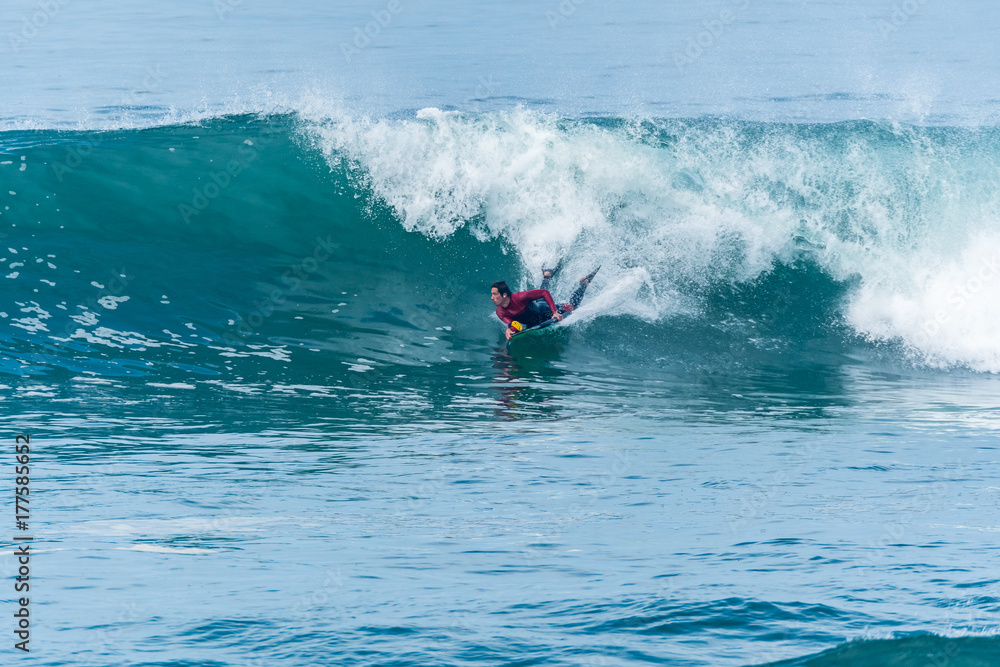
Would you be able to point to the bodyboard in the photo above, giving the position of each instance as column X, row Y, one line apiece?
column 532, row 332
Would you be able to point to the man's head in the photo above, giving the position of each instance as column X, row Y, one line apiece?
column 500, row 293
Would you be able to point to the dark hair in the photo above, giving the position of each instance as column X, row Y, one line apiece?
column 501, row 288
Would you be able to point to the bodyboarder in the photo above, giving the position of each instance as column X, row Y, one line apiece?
column 523, row 310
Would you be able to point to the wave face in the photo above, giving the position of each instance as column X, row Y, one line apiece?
column 350, row 244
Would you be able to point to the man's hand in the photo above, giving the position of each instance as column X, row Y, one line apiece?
column 509, row 332
column 557, row 316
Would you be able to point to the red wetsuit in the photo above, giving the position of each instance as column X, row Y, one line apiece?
column 521, row 300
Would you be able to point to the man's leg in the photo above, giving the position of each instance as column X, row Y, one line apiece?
column 577, row 296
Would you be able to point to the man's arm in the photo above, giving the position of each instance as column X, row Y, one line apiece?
column 506, row 320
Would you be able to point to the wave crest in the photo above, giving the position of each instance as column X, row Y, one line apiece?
column 672, row 208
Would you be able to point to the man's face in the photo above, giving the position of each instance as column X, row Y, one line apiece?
column 496, row 296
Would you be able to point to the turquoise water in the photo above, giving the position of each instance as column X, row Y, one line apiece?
column 274, row 420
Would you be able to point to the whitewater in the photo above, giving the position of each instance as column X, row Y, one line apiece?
column 247, row 255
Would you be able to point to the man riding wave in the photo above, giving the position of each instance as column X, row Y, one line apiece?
column 531, row 308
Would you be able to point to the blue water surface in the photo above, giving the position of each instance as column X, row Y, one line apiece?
column 922, row 61
column 247, row 252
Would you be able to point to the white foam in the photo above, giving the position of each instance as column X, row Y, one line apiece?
column 906, row 214
column 946, row 309
column 552, row 189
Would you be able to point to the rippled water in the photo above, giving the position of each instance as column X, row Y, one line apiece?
column 273, row 420
column 532, row 532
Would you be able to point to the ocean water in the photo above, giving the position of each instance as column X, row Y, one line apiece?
column 246, row 323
